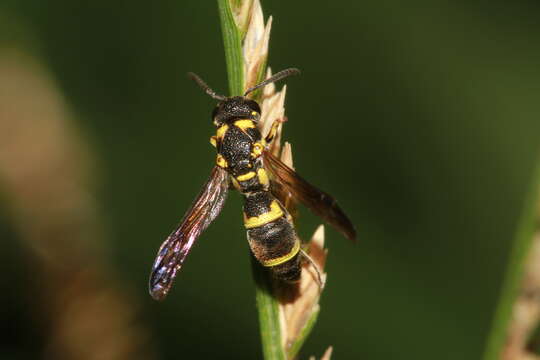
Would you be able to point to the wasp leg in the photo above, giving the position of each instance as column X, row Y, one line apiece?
column 320, row 280
column 273, row 130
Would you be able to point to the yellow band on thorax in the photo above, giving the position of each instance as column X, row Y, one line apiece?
column 220, row 133
column 255, row 221
column 245, row 124
column 284, row 258
column 246, row 176
column 221, row 162
column 263, row 177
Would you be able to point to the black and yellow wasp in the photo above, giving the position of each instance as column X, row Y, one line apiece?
column 244, row 159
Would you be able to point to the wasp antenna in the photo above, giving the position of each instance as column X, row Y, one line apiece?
column 205, row 87
column 277, row 76
column 317, row 270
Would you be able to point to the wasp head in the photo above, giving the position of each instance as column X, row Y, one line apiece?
column 236, row 107
column 239, row 107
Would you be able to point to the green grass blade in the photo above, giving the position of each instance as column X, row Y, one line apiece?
column 267, row 304
column 268, row 309
column 232, row 42
column 514, row 273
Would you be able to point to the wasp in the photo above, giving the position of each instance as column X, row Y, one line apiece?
column 244, row 161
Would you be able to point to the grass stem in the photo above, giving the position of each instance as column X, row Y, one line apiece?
column 267, row 305
column 512, row 281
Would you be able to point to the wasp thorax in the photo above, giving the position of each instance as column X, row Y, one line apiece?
column 237, row 107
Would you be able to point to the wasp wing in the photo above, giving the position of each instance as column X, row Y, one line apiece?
column 316, row 200
column 176, row 247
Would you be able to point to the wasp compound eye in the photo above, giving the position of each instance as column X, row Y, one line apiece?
column 215, row 112
column 254, row 106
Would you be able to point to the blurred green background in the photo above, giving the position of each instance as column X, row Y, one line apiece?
column 421, row 118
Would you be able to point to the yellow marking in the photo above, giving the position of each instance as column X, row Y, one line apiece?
column 257, row 150
column 273, row 131
column 263, row 177
column 235, row 183
column 213, row 141
column 221, row 131
column 254, row 113
column 245, row 124
column 221, row 162
column 246, row 176
column 284, row 258
column 255, row 221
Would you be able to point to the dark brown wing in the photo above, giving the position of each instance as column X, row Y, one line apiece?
column 176, row 247
column 316, row 200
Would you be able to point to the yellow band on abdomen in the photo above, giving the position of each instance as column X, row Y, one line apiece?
column 255, row 221
column 284, row 258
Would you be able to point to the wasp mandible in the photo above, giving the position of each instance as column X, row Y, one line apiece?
column 244, row 160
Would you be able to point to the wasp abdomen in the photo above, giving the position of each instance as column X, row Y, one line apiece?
column 271, row 235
